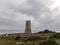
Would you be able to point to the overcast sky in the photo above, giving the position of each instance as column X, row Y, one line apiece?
column 44, row 14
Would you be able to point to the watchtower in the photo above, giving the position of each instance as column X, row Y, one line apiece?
column 28, row 27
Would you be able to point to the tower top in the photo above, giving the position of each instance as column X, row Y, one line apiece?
column 28, row 21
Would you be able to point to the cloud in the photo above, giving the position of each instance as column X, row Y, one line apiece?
column 14, row 13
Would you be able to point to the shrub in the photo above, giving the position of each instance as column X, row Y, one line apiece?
column 17, row 38
column 48, row 42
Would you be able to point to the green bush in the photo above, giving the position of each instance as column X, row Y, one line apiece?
column 49, row 42
column 35, row 38
column 32, row 38
column 17, row 38
column 56, row 36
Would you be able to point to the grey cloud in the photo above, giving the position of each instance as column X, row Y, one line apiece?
column 38, row 9
column 33, row 8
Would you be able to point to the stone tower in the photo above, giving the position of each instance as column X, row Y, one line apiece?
column 28, row 27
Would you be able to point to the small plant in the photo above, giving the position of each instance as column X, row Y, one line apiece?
column 17, row 38
column 48, row 42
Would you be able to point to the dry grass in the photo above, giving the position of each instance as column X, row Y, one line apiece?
column 7, row 42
